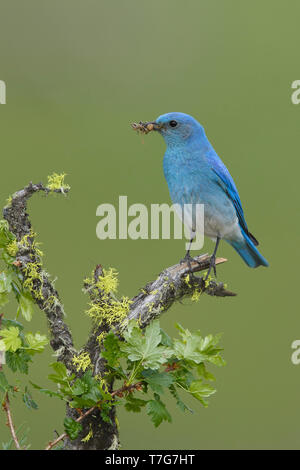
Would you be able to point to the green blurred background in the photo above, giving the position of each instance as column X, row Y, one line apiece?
column 77, row 74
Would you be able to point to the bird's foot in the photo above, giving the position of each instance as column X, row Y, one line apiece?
column 188, row 259
column 212, row 266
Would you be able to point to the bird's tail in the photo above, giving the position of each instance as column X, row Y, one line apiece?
column 248, row 251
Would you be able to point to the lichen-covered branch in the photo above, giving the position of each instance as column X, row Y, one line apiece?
column 173, row 284
column 105, row 309
column 105, row 432
column 35, row 279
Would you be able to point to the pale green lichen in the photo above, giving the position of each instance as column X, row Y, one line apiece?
column 82, row 361
column 57, row 182
column 187, row 280
column 208, row 280
column 109, row 311
column 12, row 248
column 29, row 242
column 153, row 292
column 33, row 273
column 106, row 308
column 88, row 436
column 108, row 282
column 196, row 295
column 102, row 382
column 101, row 337
column 9, row 201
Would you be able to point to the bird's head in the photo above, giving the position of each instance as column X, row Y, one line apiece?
column 176, row 128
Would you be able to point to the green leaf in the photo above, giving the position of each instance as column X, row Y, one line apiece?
column 10, row 339
column 157, row 380
column 188, row 349
column 6, row 323
column 192, row 347
column 204, row 373
column 50, row 393
column 145, row 347
column 25, row 306
column 179, row 402
column 5, row 282
column 28, row 400
column 7, row 258
column 165, row 339
column 134, row 404
column 86, row 392
column 3, row 299
column 18, row 360
column 80, row 387
column 112, row 351
column 200, row 390
column 72, row 428
column 156, row 409
column 4, row 385
column 6, row 236
column 61, row 376
column 60, row 369
column 36, row 342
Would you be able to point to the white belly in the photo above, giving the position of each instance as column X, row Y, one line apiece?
column 213, row 226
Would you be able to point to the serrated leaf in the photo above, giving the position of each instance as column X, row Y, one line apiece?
column 28, row 400
column 158, row 380
column 134, row 404
column 72, row 428
column 36, row 342
column 165, row 339
column 145, row 347
column 204, row 373
column 200, row 390
column 10, row 339
column 6, row 235
column 25, row 306
column 188, row 349
column 61, row 376
column 179, row 401
column 18, row 360
column 50, row 393
column 79, row 387
column 156, row 409
column 87, row 392
column 60, row 369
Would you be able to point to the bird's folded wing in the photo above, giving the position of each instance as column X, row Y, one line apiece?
column 225, row 181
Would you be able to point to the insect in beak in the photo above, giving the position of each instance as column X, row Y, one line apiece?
column 145, row 127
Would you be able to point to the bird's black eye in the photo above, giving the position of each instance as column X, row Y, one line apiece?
column 173, row 123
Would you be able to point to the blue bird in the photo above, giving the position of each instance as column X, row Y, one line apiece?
column 196, row 175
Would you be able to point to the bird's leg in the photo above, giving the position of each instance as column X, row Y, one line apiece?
column 212, row 264
column 188, row 258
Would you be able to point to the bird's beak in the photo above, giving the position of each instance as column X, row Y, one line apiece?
column 146, row 127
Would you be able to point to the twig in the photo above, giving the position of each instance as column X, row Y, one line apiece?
column 10, row 423
column 118, row 392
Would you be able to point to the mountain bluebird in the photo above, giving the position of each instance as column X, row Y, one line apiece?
column 196, row 175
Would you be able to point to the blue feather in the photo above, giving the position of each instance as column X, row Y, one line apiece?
column 247, row 250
